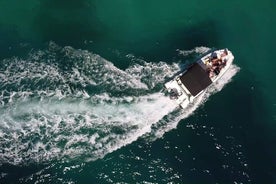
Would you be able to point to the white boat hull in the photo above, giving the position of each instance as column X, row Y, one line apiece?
column 182, row 93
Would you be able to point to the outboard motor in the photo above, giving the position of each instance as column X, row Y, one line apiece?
column 174, row 93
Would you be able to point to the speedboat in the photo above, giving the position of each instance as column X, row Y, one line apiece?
column 187, row 86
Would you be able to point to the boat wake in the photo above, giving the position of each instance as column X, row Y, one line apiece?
column 63, row 103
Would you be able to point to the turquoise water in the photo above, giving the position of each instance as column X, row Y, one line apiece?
column 80, row 92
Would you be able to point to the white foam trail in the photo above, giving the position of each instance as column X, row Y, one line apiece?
column 81, row 106
column 53, row 110
column 198, row 50
column 59, row 130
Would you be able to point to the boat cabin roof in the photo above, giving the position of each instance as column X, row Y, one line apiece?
column 195, row 79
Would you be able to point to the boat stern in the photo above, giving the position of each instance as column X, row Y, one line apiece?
column 177, row 93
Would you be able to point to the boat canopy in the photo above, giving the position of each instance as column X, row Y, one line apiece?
column 195, row 79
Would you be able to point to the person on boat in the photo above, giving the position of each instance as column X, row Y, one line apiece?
column 211, row 74
column 217, row 65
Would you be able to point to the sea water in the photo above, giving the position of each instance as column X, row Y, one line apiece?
column 81, row 92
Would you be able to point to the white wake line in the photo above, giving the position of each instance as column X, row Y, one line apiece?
column 150, row 114
column 143, row 113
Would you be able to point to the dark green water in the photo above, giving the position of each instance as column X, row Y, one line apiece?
column 80, row 101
